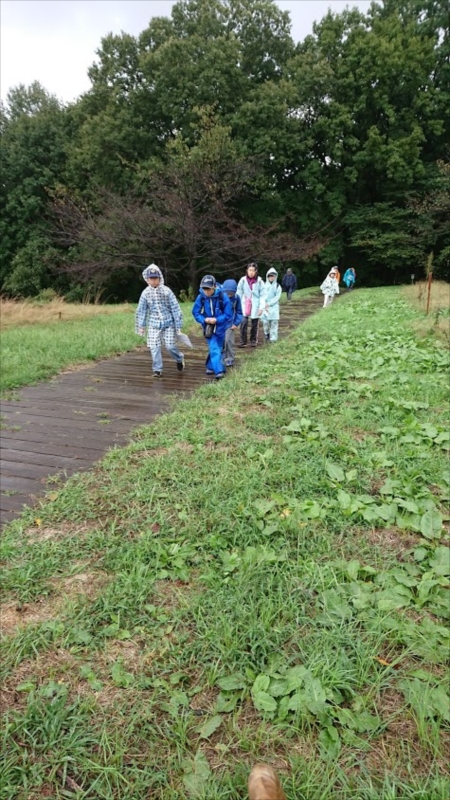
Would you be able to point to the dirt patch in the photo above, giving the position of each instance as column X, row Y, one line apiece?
column 358, row 435
column 63, row 531
column 204, row 701
column 83, row 583
column 391, row 540
column 171, row 594
column 14, row 616
column 157, row 452
column 128, row 651
column 398, row 750
column 57, row 665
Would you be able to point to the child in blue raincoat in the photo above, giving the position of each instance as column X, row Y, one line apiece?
column 212, row 309
column 349, row 278
column 230, row 287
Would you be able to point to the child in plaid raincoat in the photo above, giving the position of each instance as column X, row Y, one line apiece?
column 159, row 311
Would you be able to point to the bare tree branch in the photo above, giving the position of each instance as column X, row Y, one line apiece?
column 184, row 217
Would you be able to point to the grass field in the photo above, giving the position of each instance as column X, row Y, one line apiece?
column 261, row 575
column 17, row 313
column 44, row 345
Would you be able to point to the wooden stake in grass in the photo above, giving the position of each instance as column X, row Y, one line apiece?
column 429, row 278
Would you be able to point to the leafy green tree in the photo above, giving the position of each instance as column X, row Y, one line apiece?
column 342, row 131
column 371, row 107
column 432, row 221
column 33, row 157
column 183, row 216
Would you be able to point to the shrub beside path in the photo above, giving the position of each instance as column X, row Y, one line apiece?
column 60, row 427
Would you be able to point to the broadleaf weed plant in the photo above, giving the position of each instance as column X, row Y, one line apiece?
column 261, row 574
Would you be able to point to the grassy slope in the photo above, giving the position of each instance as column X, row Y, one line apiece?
column 35, row 352
column 259, row 575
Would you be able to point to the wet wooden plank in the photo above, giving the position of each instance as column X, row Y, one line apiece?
column 48, row 408
column 7, row 516
column 59, row 447
column 15, row 469
column 20, row 484
column 40, row 433
column 16, row 501
column 90, row 426
column 51, row 461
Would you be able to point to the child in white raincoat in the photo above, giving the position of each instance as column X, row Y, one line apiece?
column 330, row 287
column 271, row 313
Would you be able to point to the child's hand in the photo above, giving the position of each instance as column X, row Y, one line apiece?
column 141, row 331
column 210, row 320
column 234, row 327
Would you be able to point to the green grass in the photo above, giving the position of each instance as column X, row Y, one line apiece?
column 260, row 575
column 36, row 352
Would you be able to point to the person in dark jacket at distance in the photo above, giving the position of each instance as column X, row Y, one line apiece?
column 289, row 283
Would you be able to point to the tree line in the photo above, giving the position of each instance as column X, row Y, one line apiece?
column 212, row 138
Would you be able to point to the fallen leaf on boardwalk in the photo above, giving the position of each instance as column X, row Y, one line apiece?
column 38, row 522
column 52, row 496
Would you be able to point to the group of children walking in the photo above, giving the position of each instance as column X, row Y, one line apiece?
column 221, row 310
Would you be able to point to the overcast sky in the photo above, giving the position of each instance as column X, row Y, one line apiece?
column 54, row 41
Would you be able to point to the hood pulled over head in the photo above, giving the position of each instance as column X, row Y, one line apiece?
column 271, row 271
column 229, row 285
column 152, row 271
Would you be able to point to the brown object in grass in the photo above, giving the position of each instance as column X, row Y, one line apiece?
column 264, row 784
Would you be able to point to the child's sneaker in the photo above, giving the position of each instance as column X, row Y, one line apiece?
column 157, row 374
column 180, row 365
column 242, row 344
column 209, row 371
column 220, row 375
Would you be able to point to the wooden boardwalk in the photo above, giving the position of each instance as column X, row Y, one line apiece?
column 63, row 426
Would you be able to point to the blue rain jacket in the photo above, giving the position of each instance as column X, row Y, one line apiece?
column 218, row 306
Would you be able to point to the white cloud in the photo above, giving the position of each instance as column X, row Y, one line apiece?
column 54, row 41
